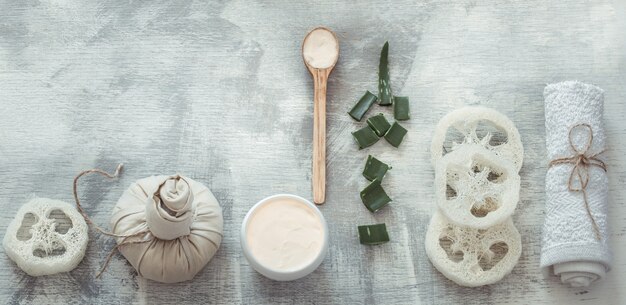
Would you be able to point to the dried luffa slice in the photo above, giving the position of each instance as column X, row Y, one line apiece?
column 46, row 236
column 475, row 187
column 472, row 257
column 467, row 122
column 176, row 226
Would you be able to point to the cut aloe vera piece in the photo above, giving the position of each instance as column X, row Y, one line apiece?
column 374, row 197
column 401, row 108
column 385, row 98
column 379, row 124
column 363, row 105
column 375, row 169
column 373, row 234
column 395, row 134
column 365, row 137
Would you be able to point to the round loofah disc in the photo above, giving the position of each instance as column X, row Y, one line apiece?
column 472, row 257
column 476, row 188
column 466, row 121
column 42, row 241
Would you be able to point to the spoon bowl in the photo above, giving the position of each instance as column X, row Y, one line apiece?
column 320, row 49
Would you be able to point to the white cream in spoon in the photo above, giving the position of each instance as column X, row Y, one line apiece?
column 320, row 49
column 285, row 234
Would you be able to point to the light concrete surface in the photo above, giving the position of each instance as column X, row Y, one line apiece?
column 218, row 91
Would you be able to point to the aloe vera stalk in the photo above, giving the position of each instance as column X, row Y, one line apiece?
column 384, row 87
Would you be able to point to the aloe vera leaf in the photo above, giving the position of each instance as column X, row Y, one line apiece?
column 401, row 108
column 374, row 197
column 365, row 137
column 363, row 105
column 379, row 124
column 395, row 134
column 375, row 169
column 385, row 98
column 373, row 234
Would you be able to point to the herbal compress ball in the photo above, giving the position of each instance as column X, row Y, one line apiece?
column 176, row 224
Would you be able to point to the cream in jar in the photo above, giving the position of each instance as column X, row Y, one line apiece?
column 284, row 237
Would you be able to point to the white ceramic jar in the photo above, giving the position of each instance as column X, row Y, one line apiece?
column 284, row 237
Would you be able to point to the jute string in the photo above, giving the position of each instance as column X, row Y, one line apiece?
column 582, row 161
column 125, row 237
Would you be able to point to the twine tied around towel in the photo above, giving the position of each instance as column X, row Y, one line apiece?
column 582, row 160
column 125, row 237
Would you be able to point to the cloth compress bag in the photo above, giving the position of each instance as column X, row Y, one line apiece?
column 182, row 224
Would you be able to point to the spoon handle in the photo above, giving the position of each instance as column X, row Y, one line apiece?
column 320, row 78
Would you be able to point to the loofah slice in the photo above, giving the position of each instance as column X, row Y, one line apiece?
column 479, row 126
column 476, row 188
column 472, row 257
column 46, row 237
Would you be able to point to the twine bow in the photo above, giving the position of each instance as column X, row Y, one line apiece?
column 582, row 160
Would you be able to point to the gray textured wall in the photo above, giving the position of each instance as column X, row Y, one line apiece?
column 218, row 91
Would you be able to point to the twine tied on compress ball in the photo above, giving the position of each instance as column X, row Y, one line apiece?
column 116, row 174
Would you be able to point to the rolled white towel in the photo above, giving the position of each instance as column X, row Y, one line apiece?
column 571, row 247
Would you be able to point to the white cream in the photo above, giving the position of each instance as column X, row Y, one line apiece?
column 285, row 234
column 320, row 49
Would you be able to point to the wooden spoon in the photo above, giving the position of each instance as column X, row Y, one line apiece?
column 320, row 51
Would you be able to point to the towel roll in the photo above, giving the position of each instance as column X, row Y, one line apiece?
column 571, row 248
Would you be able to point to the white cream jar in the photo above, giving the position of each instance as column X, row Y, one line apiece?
column 284, row 237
